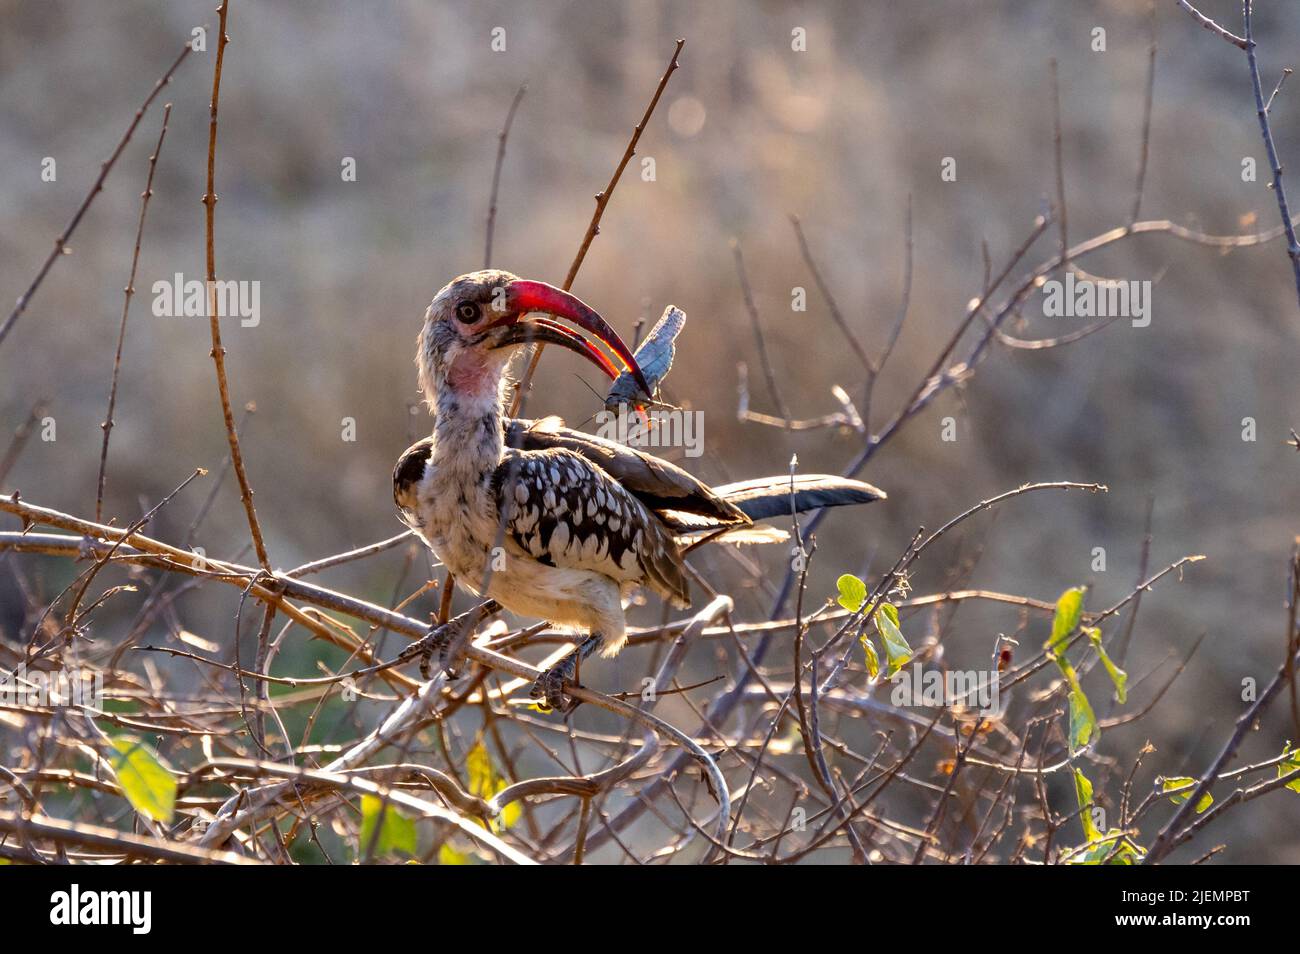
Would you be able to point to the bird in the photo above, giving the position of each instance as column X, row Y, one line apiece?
column 548, row 521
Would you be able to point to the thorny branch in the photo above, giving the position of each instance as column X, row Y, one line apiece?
column 218, row 353
column 61, row 243
column 126, row 309
column 1247, row 44
column 593, row 227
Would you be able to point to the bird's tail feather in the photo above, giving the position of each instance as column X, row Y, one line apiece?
column 781, row 496
column 769, row 498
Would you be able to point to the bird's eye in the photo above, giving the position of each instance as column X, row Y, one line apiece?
column 467, row 312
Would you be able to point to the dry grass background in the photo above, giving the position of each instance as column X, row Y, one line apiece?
column 748, row 133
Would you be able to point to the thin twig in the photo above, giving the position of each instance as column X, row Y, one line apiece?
column 61, row 243
column 496, row 176
column 126, row 308
column 1247, row 43
column 1172, row 833
column 1057, row 150
column 836, row 315
column 22, row 433
column 1277, row 89
column 1213, row 27
column 593, row 227
column 768, row 373
column 360, row 553
column 218, row 352
column 1147, row 102
column 114, row 842
column 1261, row 110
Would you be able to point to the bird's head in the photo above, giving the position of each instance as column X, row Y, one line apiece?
column 477, row 322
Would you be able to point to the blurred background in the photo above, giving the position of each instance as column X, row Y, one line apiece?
column 748, row 132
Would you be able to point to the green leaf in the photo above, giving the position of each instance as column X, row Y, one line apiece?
column 1083, row 793
column 1084, row 730
column 1118, row 676
column 897, row 652
column 479, row 766
column 396, row 832
column 1083, row 723
column 1069, row 611
column 486, row 783
column 853, row 592
column 1179, row 789
column 146, row 782
column 1289, row 764
column 1115, row 846
column 873, row 661
column 1127, row 854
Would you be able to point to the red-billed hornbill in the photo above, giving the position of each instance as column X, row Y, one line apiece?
column 547, row 521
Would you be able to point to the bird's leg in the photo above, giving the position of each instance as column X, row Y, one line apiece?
column 550, row 685
column 442, row 638
column 437, row 639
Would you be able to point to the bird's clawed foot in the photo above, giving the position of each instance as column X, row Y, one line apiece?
column 449, row 640
column 437, row 640
column 549, row 692
column 550, row 685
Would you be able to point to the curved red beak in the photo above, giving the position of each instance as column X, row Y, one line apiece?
column 546, row 331
column 523, row 296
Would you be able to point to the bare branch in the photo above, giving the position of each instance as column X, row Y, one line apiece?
column 1239, row 42
column 218, row 352
column 126, row 308
column 593, row 227
column 496, row 175
column 61, row 243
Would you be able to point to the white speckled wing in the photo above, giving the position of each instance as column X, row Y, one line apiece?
column 564, row 511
